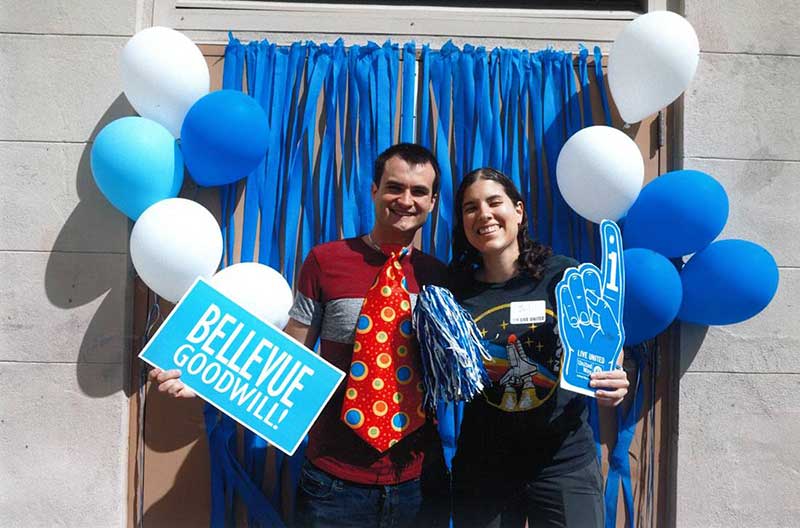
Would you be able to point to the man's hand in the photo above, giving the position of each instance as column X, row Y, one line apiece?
column 169, row 382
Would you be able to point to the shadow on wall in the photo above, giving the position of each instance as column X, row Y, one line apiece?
column 75, row 277
column 176, row 469
column 692, row 336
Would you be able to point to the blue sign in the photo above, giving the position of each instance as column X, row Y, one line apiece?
column 245, row 367
column 589, row 304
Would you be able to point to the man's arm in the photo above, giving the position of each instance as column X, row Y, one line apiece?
column 305, row 334
column 169, row 380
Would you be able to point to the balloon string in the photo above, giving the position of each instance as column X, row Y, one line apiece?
column 153, row 318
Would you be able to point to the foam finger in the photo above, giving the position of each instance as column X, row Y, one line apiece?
column 567, row 294
column 575, row 285
column 566, row 307
column 590, row 275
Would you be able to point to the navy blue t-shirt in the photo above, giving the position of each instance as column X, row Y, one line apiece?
column 523, row 424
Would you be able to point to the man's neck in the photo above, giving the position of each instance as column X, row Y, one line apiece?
column 398, row 238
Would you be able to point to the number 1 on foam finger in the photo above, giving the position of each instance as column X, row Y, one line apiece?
column 612, row 260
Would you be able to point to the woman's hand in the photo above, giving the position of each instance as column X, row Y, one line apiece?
column 611, row 385
column 169, row 381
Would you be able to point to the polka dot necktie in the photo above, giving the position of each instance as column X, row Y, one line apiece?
column 383, row 398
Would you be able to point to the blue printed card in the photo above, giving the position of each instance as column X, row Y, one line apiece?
column 245, row 367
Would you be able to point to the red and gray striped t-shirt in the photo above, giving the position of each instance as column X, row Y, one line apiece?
column 333, row 281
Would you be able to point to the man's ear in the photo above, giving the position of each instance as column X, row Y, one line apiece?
column 374, row 190
column 434, row 197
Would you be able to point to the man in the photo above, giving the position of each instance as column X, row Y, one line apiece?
column 346, row 480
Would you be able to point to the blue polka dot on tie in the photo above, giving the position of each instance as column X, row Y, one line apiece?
column 403, row 374
column 406, row 327
column 358, row 369
column 354, row 418
column 400, row 421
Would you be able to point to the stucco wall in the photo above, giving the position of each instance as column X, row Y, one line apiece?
column 64, row 271
column 739, row 403
column 65, row 275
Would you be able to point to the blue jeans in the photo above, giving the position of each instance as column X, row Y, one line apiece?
column 325, row 501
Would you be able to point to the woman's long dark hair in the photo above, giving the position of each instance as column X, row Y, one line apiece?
column 466, row 259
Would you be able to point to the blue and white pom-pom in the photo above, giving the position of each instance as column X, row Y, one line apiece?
column 451, row 348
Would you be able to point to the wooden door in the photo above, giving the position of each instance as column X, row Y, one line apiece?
column 169, row 478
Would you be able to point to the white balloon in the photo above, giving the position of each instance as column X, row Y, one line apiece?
column 652, row 63
column 163, row 75
column 600, row 173
column 257, row 288
column 173, row 242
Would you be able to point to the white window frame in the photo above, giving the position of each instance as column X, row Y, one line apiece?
column 243, row 16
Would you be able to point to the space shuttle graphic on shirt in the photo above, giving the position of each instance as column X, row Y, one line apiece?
column 521, row 378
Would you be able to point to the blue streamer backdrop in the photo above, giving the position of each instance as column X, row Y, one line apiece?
column 331, row 109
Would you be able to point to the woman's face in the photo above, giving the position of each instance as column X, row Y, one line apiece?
column 491, row 220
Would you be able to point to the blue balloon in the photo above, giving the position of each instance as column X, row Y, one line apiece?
column 224, row 137
column 676, row 214
column 652, row 294
column 136, row 163
column 728, row 282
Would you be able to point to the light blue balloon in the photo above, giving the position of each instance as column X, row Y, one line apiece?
column 652, row 295
column 728, row 282
column 676, row 214
column 136, row 162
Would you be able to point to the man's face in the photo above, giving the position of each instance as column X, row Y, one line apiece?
column 405, row 196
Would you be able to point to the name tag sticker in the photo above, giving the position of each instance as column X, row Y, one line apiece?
column 528, row 312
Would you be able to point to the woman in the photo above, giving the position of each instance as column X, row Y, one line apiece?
column 526, row 450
